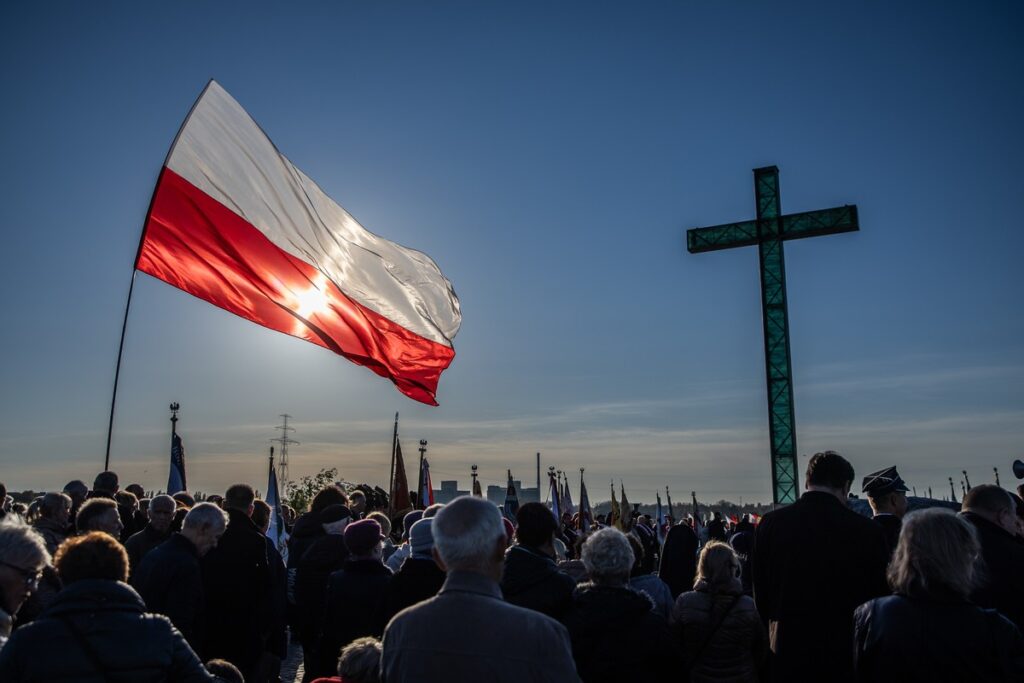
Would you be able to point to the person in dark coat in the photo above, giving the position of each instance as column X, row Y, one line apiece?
column 138, row 545
column 170, row 580
column 531, row 578
column 929, row 630
column 679, row 559
column 97, row 628
column 723, row 638
column 616, row 635
column 887, row 495
column 277, row 643
column 52, row 523
column 237, row 584
column 323, row 557
column 307, row 528
column 419, row 578
column 813, row 562
column 993, row 513
column 355, row 596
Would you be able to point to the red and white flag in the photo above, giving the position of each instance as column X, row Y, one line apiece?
column 235, row 223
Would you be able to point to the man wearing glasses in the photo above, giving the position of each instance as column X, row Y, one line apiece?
column 24, row 556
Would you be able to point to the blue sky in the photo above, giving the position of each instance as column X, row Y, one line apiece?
column 549, row 158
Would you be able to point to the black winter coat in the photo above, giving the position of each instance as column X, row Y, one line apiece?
column 139, row 544
column 891, row 525
column 419, row 579
column 532, row 580
column 616, row 637
column 306, row 530
column 935, row 640
column 116, row 642
column 238, row 586
column 323, row 557
column 170, row 582
column 1002, row 586
column 355, row 608
column 813, row 563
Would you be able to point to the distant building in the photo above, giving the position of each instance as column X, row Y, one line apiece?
column 448, row 492
column 496, row 494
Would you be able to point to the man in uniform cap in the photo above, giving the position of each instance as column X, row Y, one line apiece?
column 887, row 494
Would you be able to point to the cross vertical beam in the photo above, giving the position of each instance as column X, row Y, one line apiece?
column 768, row 232
column 775, row 316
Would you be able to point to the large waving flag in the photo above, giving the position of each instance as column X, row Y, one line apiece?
column 176, row 477
column 233, row 222
column 276, row 532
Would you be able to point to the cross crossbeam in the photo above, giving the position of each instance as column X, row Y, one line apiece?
column 768, row 232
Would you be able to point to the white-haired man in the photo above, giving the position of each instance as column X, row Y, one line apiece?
column 169, row 579
column 468, row 632
column 158, row 530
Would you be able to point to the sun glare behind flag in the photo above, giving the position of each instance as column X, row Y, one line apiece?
column 235, row 223
column 176, row 476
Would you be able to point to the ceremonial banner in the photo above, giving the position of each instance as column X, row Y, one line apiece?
column 234, row 223
column 176, row 476
column 511, row 506
column 586, row 514
column 556, row 506
column 426, row 493
column 276, row 532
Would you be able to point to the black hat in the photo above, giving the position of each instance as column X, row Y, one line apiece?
column 334, row 513
column 883, row 482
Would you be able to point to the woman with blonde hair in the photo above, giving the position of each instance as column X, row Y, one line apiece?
column 722, row 635
column 928, row 630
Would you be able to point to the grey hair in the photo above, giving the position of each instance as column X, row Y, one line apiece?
column 608, row 556
column 937, row 550
column 21, row 545
column 465, row 532
column 360, row 661
column 51, row 502
column 204, row 515
column 163, row 500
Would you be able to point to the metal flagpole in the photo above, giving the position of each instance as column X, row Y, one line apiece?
column 135, row 265
column 391, row 481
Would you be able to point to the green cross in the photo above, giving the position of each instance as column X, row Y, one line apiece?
column 768, row 232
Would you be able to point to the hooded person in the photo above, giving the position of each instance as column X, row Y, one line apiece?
column 679, row 559
column 419, row 578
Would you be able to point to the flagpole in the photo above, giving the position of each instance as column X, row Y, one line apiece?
column 420, row 482
column 391, row 481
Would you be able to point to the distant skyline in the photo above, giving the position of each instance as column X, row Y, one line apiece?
column 549, row 159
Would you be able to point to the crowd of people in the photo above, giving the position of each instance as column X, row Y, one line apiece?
column 103, row 584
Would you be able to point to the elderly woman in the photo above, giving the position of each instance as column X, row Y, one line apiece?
column 928, row 630
column 97, row 627
column 616, row 636
column 22, row 559
column 723, row 638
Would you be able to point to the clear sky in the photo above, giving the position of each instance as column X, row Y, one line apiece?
column 549, row 157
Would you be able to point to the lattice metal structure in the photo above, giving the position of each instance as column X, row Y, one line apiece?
column 768, row 232
column 285, row 441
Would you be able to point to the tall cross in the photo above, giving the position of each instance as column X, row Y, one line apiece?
column 768, row 232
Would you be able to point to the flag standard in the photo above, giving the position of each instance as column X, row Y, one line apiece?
column 400, row 500
column 276, row 532
column 176, row 477
column 235, row 223
column 556, row 505
column 566, row 497
column 426, row 494
column 660, row 520
column 586, row 515
column 627, row 511
column 615, row 518
column 477, row 490
column 511, row 506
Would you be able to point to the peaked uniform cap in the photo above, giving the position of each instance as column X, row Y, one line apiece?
column 884, row 481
